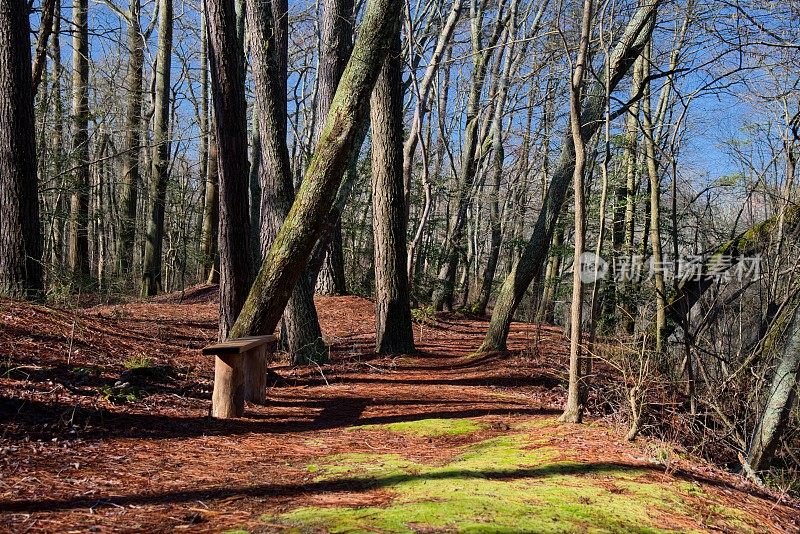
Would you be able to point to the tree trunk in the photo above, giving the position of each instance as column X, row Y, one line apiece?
column 287, row 257
column 131, row 148
column 43, row 37
column 573, row 410
column 331, row 278
column 498, row 160
column 60, row 208
column 301, row 330
column 625, row 212
column 443, row 295
column 230, row 112
column 337, row 43
column 209, row 238
column 394, row 333
column 529, row 266
column 20, row 234
column 423, row 94
column 782, row 393
column 79, row 201
column 151, row 270
column 208, row 170
column 655, row 203
column 255, row 190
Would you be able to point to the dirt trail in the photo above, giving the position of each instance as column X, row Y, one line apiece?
column 104, row 427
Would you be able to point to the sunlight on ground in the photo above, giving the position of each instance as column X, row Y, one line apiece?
column 428, row 427
column 503, row 484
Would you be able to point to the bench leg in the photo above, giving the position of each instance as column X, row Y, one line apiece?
column 227, row 400
column 256, row 375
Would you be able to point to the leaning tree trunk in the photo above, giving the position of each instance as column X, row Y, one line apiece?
column 393, row 328
column 20, row 235
column 151, row 270
column 131, row 148
column 230, row 111
column 530, row 264
column 337, row 43
column 782, row 393
column 289, row 253
column 301, row 328
column 79, row 201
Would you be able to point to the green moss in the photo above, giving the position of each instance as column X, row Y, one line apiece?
column 721, row 516
column 497, row 485
column 429, row 427
column 366, row 466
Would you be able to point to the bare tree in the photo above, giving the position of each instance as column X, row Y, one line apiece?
column 154, row 236
column 79, row 201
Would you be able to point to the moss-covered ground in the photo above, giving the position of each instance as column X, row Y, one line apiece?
column 509, row 483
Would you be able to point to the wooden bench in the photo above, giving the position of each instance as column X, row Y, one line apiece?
column 240, row 373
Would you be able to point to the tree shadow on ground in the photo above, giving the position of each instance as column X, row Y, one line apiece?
column 347, row 484
column 350, row 484
column 31, row 418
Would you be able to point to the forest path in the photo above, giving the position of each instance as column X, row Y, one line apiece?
column 104, row 427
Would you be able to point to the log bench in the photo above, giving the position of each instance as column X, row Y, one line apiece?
column 240, row 373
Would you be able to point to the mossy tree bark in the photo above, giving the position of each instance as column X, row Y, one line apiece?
column 625, row 208
column 230, row 112
column 266, row 26
column 530, row 264
column 782, row 392
column 154, row 237
column 393, row 328
column 290, row 250
column 747, row 244
column 20, row 234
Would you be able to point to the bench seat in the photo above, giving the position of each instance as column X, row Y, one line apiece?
column 240, row 373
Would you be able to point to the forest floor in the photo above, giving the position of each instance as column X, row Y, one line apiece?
column 105, row 428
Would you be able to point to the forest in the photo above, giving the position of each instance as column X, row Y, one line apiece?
column 383, row 266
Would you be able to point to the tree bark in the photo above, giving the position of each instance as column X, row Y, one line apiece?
column 393, row 328
column 151, row 270
column 780, row 399
column 209, row 237
column 79, row 201
column 230, row 112
column 443, row 294
column 337, row 43
column 655, row 206
column 301, row 330
column 530, row 264
column 131, row 148
column 292, row 246
column 573, row 410
column 20, row 234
